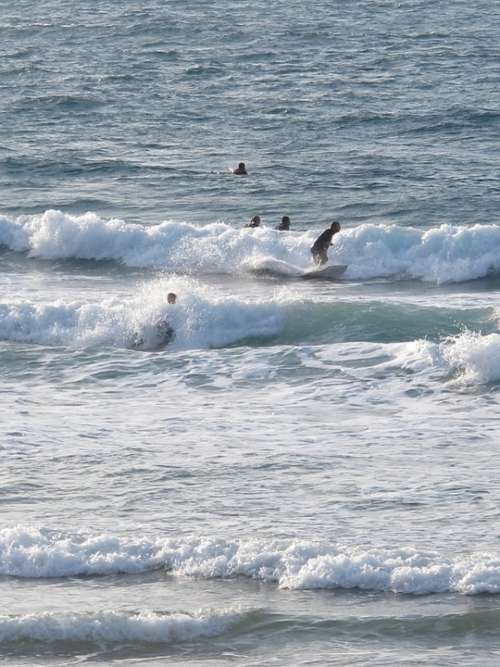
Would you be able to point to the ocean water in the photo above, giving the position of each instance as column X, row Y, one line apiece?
column 309, row 473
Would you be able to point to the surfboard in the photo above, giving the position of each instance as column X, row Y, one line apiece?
column 328, row 273
column 277, row 268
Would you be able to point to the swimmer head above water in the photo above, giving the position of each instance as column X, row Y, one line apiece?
column 171, row 297
column 254, row 222
column 241, row 170
column 284, row 225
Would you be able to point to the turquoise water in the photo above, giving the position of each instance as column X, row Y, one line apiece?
column 308, row 473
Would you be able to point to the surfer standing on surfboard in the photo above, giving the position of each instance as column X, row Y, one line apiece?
column 319, row 249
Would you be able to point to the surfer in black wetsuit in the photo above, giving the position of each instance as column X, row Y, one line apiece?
column 319, row 249
column 254, row 222
column 241, row 170
column 284, row 225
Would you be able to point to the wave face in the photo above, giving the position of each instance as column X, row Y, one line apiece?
column 113, row 626
column 441, row 254
column 292, row 564
column 146, row 628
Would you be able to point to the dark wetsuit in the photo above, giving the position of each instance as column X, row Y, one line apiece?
column 320, row 247
column 240, row 172
column 284, row 226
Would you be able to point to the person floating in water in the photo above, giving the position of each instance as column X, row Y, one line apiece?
column 254, row 222
column 284, row 225
column 241, row 170
column 319, row 249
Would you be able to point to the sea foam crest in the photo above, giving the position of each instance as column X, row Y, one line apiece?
column 177, row 246
column 117, row 626
column 293, row 564
column 446, row 253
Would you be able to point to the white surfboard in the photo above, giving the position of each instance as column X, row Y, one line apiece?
column 328, row 273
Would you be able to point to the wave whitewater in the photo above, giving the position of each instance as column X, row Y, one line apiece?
column 114, row 626
column 447, row 253
column 469, row 357
column 200, row 319
column 291, row 564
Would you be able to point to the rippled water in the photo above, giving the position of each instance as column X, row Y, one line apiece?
column 307, row 474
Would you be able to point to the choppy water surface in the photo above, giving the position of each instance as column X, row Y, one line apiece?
column 307, row 474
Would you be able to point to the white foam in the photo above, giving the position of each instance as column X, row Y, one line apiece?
column 475, row 357
column 216, row 247
column 200, row 318
column 293, row 564
column 441, row 254
column 447, row 253
column 470, row 357
column 116, row 626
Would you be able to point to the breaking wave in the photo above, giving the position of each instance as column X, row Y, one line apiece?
column 469, row 357
column 114, row 626
column 204, row 319
column 156, row 627
column 199, row 319
column 447, row 253
column 291, row 564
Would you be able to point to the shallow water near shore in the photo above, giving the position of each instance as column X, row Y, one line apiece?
column 307, row 474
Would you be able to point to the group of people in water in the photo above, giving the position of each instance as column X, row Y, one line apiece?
column 165, row 334
column 319, row 249
column 284, row 225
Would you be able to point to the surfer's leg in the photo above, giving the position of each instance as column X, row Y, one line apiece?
column 316, row 257
column 320, row 258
